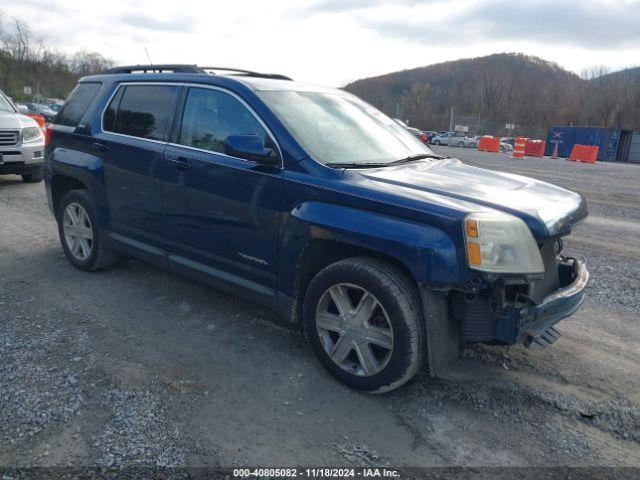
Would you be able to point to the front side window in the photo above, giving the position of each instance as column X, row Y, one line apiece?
column 77, row 104
column 210, row 116
column 141, row 111
column 336, row 127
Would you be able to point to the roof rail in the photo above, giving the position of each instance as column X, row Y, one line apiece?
column 169, row 68
column 246, row 73
column 156, row 69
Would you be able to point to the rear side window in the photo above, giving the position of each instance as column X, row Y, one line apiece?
column 77, row 104
column 141, row 111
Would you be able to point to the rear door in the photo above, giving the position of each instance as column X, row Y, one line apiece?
column 221, row 212
column 135, row 125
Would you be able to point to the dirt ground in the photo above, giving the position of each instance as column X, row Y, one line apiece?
column 136, row 366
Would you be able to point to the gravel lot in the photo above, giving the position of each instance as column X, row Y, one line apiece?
column 135, row 366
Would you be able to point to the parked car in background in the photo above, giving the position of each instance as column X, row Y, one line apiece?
column 21, row 143
column 455, row 140
column 416, row 132
column 430, row 134
column 22, row 108
column 316, row 205
column 440, row 139
column 506, row 147
column 471, row 141
column 43, row 110
column 419, row 134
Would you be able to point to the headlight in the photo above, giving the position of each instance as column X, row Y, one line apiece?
column 501, row 243
column 31, row 133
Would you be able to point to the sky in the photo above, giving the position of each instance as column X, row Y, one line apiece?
column 333, row 42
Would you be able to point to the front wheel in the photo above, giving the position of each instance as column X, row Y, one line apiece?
column 364, row 322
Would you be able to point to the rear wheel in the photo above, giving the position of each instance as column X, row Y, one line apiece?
column 363, row 320
column 436, row 142
column 34, row 177
column 79, row 235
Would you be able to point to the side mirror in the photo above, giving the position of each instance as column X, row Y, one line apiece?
column 23, row 109
column 250, row 147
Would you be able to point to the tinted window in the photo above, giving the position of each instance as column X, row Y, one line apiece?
column 109, row 119
column 210, row 116
column 77, row 104
column 142, row 111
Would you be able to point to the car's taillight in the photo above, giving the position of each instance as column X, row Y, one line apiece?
column 47, row 135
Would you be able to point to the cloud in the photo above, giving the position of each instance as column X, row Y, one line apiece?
column 51, row 7
column 176, row 23
column 342, row 6
column 579, row 24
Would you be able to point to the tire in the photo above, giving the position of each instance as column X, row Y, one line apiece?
column 97, row 257
column 436, row 142
column 461, row 144
column 398, row 305
column 34, row 177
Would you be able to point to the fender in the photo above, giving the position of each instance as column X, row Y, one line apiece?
column 82, row 166
column 427, row 252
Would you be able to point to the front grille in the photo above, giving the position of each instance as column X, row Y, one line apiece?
column 9, row 137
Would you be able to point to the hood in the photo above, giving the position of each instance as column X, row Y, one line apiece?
column 15, row 121
column 546, row 208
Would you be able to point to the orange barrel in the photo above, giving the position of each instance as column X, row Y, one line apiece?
column 518, row 148
column 488, row 143
column 584, row 153
column 534, row 148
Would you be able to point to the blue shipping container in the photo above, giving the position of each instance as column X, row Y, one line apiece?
column 607, row 139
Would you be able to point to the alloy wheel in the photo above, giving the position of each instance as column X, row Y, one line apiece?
column 78, row 233
column 354, row 329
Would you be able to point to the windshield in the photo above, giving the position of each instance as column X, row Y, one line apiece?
column 337, row 128
column 5, row 105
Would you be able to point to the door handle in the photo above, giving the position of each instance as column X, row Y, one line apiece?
column 101, row 147
column 180, row 163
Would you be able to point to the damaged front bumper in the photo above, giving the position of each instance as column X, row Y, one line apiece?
column 495, row 316
column 536, row 322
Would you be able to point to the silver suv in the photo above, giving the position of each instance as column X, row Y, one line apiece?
column 21, row 143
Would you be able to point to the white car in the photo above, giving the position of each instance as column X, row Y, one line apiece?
column 471, row 141
column 21, row 143
column 456, row 140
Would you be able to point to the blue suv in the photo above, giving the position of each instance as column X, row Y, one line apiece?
column 315, row 204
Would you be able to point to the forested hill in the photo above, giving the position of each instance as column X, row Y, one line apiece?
column 27, row 59
column 505, row 88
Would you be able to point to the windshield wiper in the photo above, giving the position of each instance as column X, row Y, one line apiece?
column 415, row 158
column 356, row 164
column 412, row 158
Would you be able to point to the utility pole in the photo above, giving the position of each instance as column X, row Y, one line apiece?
column 450, row 128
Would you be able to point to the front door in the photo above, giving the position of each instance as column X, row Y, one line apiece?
column 221, row 212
